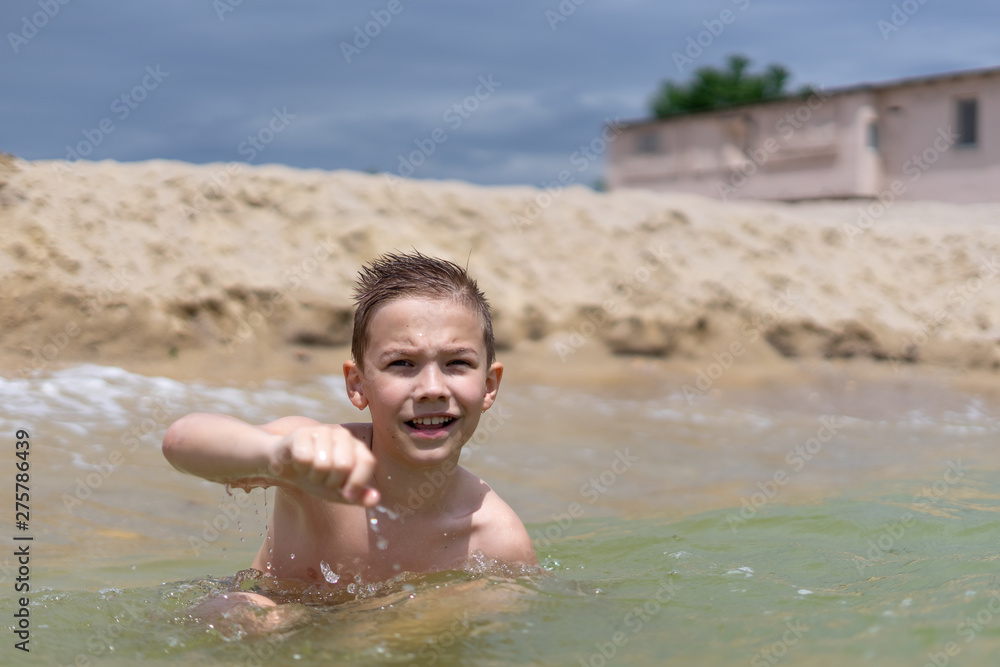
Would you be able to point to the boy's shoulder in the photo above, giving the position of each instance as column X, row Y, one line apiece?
column 496, row 529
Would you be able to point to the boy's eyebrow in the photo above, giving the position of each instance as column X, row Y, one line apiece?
column 409, row 352
column 457, row 351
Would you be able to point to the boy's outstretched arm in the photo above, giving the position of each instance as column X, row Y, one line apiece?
column 331, row 462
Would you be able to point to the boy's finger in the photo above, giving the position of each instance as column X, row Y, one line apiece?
column 332, row 464
column 322, row 463
column 370, row 497
column 357, row 487
column 301, row 449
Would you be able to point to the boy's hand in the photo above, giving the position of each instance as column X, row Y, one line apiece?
column 330, row 462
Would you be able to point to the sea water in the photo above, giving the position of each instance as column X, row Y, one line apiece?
column 825, row 521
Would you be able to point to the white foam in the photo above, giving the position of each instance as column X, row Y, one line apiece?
column 89, row 398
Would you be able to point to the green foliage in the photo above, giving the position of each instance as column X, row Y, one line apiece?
column 720, row 88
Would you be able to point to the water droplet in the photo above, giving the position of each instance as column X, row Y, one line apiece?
column 352, row 588
column 293, row 556
column 381, row 543
column 374, row 522
column 328, row 572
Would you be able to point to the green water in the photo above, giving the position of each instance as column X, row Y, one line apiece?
column 880, row 550
column 802, row 582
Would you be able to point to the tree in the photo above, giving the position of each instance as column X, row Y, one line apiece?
column 720, row 88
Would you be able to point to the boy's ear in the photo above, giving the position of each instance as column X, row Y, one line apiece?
column 492, row 384
column 355, row 389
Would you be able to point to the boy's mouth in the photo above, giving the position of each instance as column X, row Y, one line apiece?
column 437, row 423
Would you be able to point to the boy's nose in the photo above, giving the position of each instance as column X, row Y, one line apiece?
column 430, row 383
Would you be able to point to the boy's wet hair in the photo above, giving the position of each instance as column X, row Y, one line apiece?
column 395, row 276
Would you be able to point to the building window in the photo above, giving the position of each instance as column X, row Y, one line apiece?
column 872, row 139
column 648, row 143
column 967, row 120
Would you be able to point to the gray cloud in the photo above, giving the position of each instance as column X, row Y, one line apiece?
column 557, row 86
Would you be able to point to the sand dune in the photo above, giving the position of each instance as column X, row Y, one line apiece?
column 107, row 261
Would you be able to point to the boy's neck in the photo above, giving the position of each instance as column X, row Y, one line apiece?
column 424, row 490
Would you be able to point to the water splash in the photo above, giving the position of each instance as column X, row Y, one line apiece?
column 328, row 572
column 381, row 543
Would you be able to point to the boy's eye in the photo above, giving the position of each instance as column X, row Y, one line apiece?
column 400, row 362
column 460, row 362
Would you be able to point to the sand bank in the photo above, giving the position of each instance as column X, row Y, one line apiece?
column 175, row 263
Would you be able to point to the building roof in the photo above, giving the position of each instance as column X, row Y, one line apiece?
column 845, row 90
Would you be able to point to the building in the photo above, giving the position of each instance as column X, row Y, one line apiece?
column 935, row 137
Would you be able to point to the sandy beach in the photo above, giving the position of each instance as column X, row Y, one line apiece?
column 770, row 407
column 180, row 266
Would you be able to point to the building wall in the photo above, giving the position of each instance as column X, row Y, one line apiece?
column 917, row 123
column 824, row 146
column 792, row 149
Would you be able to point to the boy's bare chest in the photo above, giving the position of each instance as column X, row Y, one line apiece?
column 339, row 544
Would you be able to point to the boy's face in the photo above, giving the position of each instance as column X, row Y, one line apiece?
column 425, row 380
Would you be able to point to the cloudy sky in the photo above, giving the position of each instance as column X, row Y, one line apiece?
column 488, row 92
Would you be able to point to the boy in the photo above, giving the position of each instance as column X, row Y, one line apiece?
column 424, row 365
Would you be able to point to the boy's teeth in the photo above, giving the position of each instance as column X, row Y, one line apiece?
column 431, row 421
